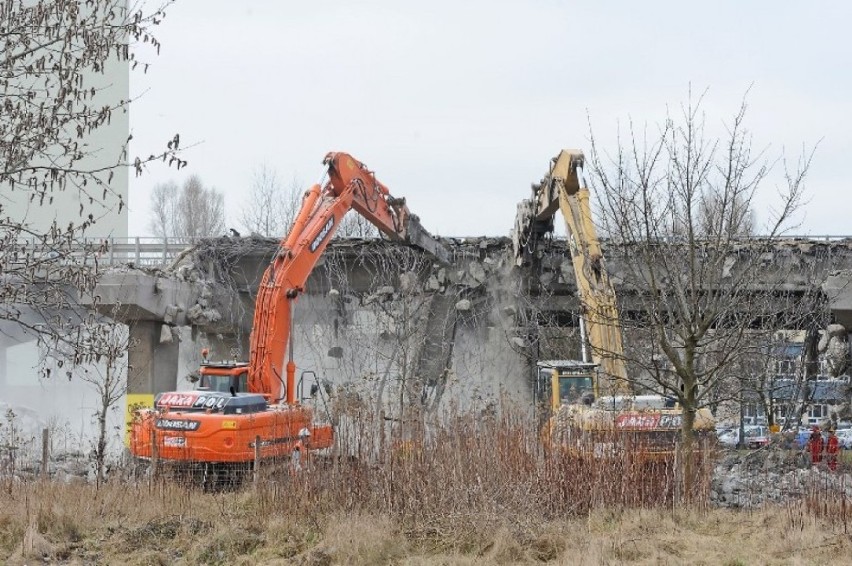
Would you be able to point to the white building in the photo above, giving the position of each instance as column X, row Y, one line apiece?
column 67, row 405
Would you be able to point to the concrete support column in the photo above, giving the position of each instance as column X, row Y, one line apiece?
column 153, row 364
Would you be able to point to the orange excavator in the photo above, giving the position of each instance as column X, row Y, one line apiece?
column 240, row 406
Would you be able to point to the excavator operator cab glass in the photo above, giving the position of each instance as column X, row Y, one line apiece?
column 566, row 381
column 573, row 389
column 224, row 383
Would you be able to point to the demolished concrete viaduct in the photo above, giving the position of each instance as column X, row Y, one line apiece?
column 390, row 323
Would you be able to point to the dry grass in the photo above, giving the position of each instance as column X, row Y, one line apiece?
column 136, row 525
column 470, row 491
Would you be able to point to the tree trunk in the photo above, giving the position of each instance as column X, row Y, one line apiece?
column 687, row 453
column 687, row 446
column 100, row 452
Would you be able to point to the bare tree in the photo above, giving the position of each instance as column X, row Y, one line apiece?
column 356, row 226
column 270, row 208
column 189, row 213
column 163, row 204
column 54, row 100
column 98, row 357
column 695, row 277
column 110, row 342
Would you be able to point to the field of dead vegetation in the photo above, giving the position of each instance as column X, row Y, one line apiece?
column 471, row 491
column 169, row 524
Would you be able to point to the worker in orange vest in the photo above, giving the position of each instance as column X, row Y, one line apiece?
column 815, row 445
column 832, row 448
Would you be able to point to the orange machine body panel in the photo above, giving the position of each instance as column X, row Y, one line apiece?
column 200, row 426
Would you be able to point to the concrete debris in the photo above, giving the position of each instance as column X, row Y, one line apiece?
column 463, row 305
column 836, row 331
column 408, row 282
column 566, row 271
column 334, row 293
column 518, row 342
column 184, row 270
column 441, row 275
column 834, row 346
column 770, row 475
column 166, row 334
column 198, row 315
column 171, row 313
column 477, row 272
column 432, row 284
column 730, row 261
column 382, row 294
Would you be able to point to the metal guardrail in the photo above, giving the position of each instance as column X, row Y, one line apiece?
column 139, row 251
column 158, row 252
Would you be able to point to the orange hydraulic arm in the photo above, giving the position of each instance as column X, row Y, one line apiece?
column 350, row 185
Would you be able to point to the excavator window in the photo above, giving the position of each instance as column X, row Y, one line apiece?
column 224, row 383
column 573, row 389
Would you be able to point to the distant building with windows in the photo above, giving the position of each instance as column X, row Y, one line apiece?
column 823, row 398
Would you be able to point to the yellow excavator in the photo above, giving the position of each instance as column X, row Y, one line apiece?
column 593, row 409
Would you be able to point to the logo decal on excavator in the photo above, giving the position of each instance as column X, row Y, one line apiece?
column 643, row 421
column 177, row 424
column 192, row 400
column 323, row 233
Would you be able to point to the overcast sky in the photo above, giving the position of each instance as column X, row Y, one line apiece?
column 458, row 106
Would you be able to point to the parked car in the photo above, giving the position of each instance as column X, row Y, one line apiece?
column 844, row 437
column 755, row 436
column 730, row 438
column 723, row 430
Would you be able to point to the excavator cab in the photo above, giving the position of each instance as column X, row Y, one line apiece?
column 566, row 382
column 224, row 383
column 222, row 377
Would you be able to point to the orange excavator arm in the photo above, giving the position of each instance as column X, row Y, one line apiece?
column 350, row 185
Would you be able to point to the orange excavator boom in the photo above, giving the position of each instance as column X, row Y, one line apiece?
column 350, row 186
column 237, row 409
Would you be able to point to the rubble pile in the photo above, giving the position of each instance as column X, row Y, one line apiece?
column 21, row 449
column 772, row 476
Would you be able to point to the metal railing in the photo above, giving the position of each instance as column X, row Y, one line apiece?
column 137, row 250
column 150, row 251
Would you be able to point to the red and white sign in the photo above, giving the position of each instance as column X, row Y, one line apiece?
column 637, row 420
column 646, row 421
column 178, row 400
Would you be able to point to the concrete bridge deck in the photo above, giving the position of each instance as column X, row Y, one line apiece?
column 213, row 290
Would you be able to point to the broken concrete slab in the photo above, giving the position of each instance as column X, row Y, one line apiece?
column 137, row 295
